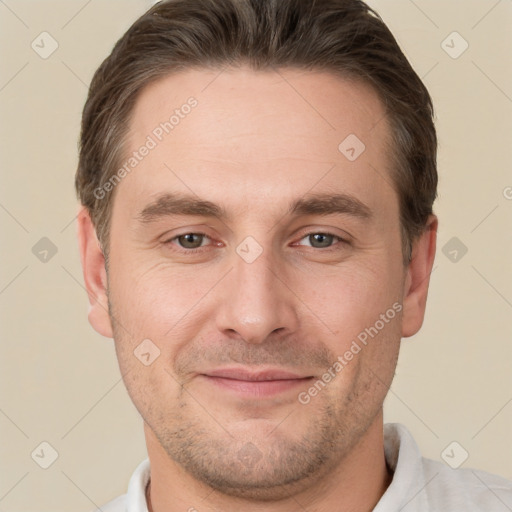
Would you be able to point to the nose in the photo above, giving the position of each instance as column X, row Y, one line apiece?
column 256, row 301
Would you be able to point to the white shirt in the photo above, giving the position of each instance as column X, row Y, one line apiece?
column 418, row 485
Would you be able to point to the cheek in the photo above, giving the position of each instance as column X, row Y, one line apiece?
column 154, row 299
column 349, row 298
column 165, row 302
column 152, row 389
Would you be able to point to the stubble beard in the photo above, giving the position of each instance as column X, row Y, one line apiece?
column 260, row 467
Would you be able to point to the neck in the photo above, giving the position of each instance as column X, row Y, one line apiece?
column 355, row 485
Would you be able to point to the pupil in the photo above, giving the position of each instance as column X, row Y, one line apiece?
column 323, row 239
column 188, row 240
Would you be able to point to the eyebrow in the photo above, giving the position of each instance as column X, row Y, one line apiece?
column 172, row 204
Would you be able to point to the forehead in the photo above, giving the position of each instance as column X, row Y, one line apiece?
column 282, row 130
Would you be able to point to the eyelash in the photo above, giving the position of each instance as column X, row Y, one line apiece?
column 200, row 249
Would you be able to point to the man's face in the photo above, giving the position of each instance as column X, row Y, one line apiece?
column 251, row 309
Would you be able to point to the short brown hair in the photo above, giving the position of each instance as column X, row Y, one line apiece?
column 345, row 37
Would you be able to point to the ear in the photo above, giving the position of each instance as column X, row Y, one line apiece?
column 95, row 275
column 418, row 278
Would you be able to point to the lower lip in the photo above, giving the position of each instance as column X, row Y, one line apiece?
column 258, row 389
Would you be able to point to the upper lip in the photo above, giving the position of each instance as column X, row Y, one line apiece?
column 254, row 375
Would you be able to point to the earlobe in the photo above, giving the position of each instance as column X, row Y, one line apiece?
column 94, row 272
column 417, row 279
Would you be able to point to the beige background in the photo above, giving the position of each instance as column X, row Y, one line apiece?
column 59, row 379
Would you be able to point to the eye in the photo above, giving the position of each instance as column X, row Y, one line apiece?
column 192, row 242
column 322, row 240
column 189, row 241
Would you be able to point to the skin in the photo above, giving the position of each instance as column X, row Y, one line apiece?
column 253, row 145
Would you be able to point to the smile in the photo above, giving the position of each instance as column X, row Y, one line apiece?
column 255, row 384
